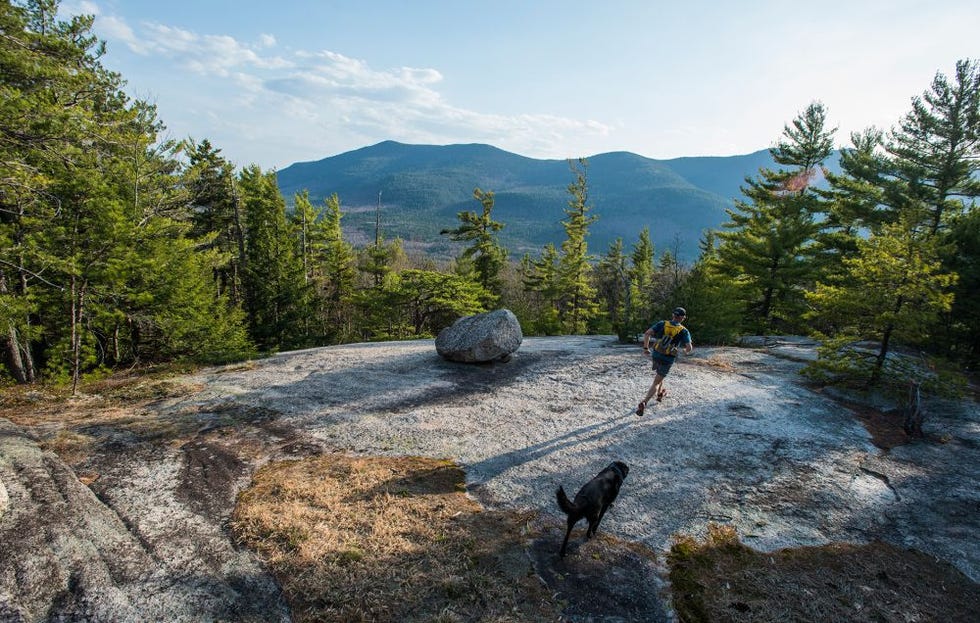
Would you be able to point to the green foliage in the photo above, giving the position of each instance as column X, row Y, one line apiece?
column 934, row 151
column 277, row 295
column 540, row 277
column 576, row 303
column 118, row 248
column 852, row 204
column 613, row 288
column 338, row 264
column 643, row 285
column 961, row 250
column 714, row 315
column 485, row 253
column 419, row 303
column 216, row 216
column 767, row 247
column 98, row 266
column 912, row 193
column 893, row 290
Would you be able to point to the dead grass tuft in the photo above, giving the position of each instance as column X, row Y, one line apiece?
column 72, row 447
column 719, row 580
column 388, row 539
column 714, row 361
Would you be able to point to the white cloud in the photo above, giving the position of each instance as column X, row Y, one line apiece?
column 295, row 105
column 205, row 54
column 77, row 7
column 116, row 29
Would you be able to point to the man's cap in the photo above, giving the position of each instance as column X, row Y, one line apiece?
column 680, row 311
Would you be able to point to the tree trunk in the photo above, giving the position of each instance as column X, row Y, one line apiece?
column 16, row 356
column 77, row 311
column 11, row 352
column 882, row 355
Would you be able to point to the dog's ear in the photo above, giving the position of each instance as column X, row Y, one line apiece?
column 624, row 467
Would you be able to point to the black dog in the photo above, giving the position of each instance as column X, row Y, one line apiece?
column 593, row 499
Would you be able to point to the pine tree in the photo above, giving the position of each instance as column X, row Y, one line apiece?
column 276, row 293
column 642, row 285
column 432, row 300
column 853, row 204
column 767, row 245
column 215, row 213
column 710, row 298
column 338, row 264
column 925, row 175
column 894, row 289
column 486, row 254
column 541, row 277
column 577, row 305
column 615, row 290
column 934, row 152
column 962, row 325
column 54, row 99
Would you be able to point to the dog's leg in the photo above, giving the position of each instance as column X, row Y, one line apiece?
column 602, row 514
column 567, row 534
column 593, row 524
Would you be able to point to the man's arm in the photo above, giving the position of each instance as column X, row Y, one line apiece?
column 646, row 339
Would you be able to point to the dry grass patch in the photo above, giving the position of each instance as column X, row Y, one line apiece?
column 721, row 580
column 109, row 409
column 388, row 539
column 715, row 361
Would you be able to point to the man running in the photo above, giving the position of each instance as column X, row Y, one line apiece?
column 669, row 335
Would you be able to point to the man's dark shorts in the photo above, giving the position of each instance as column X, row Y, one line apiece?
column 661, row 363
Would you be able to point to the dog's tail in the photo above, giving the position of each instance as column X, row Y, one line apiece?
column 563, row 502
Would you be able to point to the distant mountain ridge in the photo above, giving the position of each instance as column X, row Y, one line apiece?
column 423, row 187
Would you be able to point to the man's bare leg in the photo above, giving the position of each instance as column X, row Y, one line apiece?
column 658, row 382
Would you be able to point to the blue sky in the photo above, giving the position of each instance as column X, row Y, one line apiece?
column 273, row 83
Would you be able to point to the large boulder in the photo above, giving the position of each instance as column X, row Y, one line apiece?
column 484, row 337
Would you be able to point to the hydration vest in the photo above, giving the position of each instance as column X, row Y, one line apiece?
column 667, row 345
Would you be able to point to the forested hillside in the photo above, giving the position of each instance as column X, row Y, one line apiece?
column 422, row 187
column 121, row 249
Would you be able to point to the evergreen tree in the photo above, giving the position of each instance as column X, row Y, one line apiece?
column 924, row 176
column 432, row 300
column 329, row 268
column 767, row 245
column 615, row 290
column 894, row 289
column 276, row 293
column 714, row 314
column 215, row 213
column 853, row 204
column 642, row 286
column 541, row 276
column 54, row 98
column 98, row 272
column 962, row 325
column 935, row 150
column 577, row 305
column 338, row 264
column 487, row 255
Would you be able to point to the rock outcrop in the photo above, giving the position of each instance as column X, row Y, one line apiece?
column 65, row 555
column 484, row 337
column 739, row 441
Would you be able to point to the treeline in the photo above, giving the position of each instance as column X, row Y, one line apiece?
column 120, row 249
